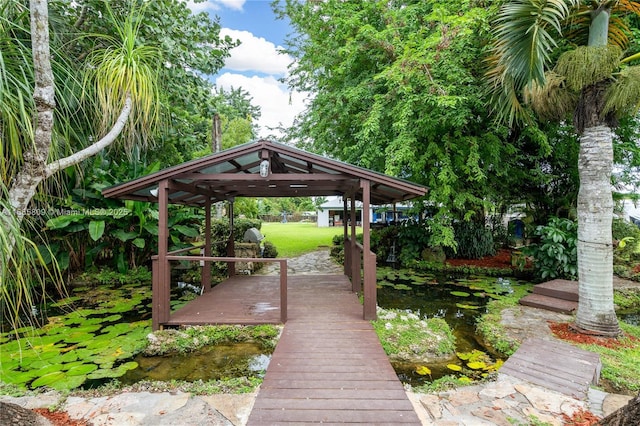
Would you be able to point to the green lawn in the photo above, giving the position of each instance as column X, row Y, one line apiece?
column 294, row 238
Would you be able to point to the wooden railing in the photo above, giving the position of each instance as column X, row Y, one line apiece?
column 353, row 259
column 161, row 288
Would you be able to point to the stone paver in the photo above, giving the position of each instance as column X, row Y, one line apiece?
column 315, row 263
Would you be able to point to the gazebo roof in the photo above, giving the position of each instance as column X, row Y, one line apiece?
column 235, row 172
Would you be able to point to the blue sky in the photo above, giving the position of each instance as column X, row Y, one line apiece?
column 256, row 65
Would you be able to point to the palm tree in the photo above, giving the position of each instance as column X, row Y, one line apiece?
column 590, row 79
column 123, row 77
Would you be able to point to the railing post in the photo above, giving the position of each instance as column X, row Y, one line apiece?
column 370, row 304
column 356, row 269
column 205, row 279
column 283, row 291
column 346, row 249
column 155, row 294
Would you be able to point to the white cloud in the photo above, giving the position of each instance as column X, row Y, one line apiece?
column 278, row 106
column 254, row 54
column 215, row 5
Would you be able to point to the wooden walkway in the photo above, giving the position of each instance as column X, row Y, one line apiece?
column 555, row 365
column 238, row 300
column 329, row 366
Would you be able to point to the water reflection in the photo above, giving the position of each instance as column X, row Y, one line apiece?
column 208, row 363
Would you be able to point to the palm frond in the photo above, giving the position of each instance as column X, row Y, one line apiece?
column 587, row 65
column 126, row 68
column 23, row 269
column 16, row 75
column 627, row 6
column 624, row 94
column 525, row 33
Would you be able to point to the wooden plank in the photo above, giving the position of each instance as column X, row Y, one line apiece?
column 310, row 392
column 340, row 404
column 330, row 384
column 554, row 365
column 277, row 416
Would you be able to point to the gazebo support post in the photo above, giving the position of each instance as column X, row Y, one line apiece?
column 370, row 297
column 231, row 246
column 161, row 276
column 347, row 249
column 356, row 264
column 206, row 266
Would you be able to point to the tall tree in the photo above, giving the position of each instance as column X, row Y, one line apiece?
column 395, row 89
column 75, row 76
column 566, row 57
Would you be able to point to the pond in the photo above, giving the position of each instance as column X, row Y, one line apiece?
column 460, row 301
column 97, row 333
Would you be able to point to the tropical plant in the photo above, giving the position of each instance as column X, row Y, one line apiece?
column 563, row 58
column 473, row 241
column 555, row 255
column 396, row 90
column 89, row 59
column 23, row 273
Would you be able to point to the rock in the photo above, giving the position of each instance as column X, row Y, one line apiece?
column 614, row 402
column 432, row 404
column 15, row 415
column 463, row 397
column 626, row 415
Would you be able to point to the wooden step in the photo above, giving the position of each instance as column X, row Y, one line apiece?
column 555, row 365
column 560, row 289
column 549, row 303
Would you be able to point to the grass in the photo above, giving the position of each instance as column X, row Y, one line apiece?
column 297, row 238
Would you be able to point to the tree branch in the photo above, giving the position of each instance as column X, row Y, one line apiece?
column 98, row 146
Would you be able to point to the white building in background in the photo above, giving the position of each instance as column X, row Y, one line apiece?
column 331, row 211
column 631, row 211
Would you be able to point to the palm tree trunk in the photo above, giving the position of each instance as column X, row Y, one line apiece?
column 596, row 312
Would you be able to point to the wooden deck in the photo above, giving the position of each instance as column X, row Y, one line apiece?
column 329, row 366
column 237, row 300
column 555, row 365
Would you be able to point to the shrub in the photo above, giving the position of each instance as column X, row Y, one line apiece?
column 270, row 250
column 413, row 237
column 383, row 239
column 556, row 255
column 627, row 235
column 474, row 241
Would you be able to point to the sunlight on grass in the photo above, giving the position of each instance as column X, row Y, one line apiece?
column 294, row 238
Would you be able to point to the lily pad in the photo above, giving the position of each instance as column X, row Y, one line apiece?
column 68, row 382
column 82, row 370
column 103, row 373
column 467, row 306
column 47, row 379
column 476, row 365
column 460, row 293
column 402, row 287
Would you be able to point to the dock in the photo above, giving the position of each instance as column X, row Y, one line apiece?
column 329, row 366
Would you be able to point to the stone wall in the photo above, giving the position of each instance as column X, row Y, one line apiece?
column 247, row 250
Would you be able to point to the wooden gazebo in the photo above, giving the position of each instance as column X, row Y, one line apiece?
column 263, row 169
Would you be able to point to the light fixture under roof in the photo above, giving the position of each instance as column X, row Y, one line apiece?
column 264, row 168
